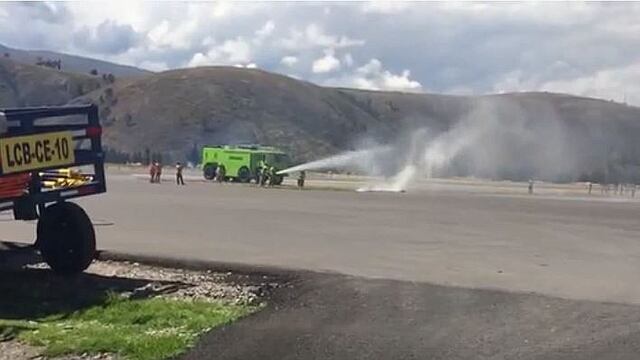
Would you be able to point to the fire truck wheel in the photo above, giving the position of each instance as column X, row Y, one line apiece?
column 244, row 175
column 66, row 238
column 209, row 171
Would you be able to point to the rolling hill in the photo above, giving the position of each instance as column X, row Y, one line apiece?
column 71, row 63
column 30, row 85
column 512, row 136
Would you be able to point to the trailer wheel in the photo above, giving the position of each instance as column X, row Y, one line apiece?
column 209, row 171
column 244, row 175
column 66, row 238
column 278, row 180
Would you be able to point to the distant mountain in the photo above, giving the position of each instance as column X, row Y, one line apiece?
column 71, row 63
column 30, row 85
column 515, row 136
column 509, row 136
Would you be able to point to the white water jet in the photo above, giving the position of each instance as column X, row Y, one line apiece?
column 364, row 160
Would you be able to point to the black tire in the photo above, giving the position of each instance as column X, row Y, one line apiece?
column 209, row 171
column 66, row 238
column 278, row 180
column 244, row 175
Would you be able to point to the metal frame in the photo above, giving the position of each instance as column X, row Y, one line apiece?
column 22, row 121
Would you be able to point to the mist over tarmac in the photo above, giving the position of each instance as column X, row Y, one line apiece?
column 496, row 139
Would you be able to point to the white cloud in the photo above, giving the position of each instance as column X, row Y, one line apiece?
column 246, row 66
column 563, row 14
column 585, row 48
column 314, row 36
column 348, row 60
column 108, row 38
column 266, row 30
column 512, row 81
column 158, row 33
column 166, row 35
column 400, row 82
column 208, row 41
column 373, row 76
column 125, row 12
column 220, row 9
column 230, row 52
column 373, row 67
column 200, row 59
column 619, row 84
column 237, row 50
column 289, row 61
column 327, row 63
column 224, row 9
column 385, row 7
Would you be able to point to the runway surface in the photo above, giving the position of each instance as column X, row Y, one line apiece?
column 570, row 246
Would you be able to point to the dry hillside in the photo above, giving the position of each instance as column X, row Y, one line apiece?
column 71, row 63
column 177, row 110
column 547, row 136
column 30, row 85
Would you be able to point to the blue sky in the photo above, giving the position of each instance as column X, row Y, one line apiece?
column 589, row 49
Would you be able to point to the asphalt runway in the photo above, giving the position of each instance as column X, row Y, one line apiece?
column 327, row 317
column 572, row 247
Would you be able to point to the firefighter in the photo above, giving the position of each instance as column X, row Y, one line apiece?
column 272, row 176
column 152, row 172
column 221, row 174
column 265, row 174
column 301, row 178
column 179, row 179
column 158, row 171
column 258, row 175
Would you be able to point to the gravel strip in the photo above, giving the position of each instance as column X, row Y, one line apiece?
column 132, row 280
column 188, row 284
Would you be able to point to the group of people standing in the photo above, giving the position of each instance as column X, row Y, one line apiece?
column 266, row 175
column 155, row 173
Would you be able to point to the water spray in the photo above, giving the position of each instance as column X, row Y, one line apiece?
column 363, row 160
column 495, row 137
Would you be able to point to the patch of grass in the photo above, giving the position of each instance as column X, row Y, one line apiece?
column 146, row 329
column 10, row 329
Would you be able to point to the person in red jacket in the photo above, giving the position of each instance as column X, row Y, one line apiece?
column 152, row 172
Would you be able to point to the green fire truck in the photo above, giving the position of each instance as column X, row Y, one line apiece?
column 241, row 162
